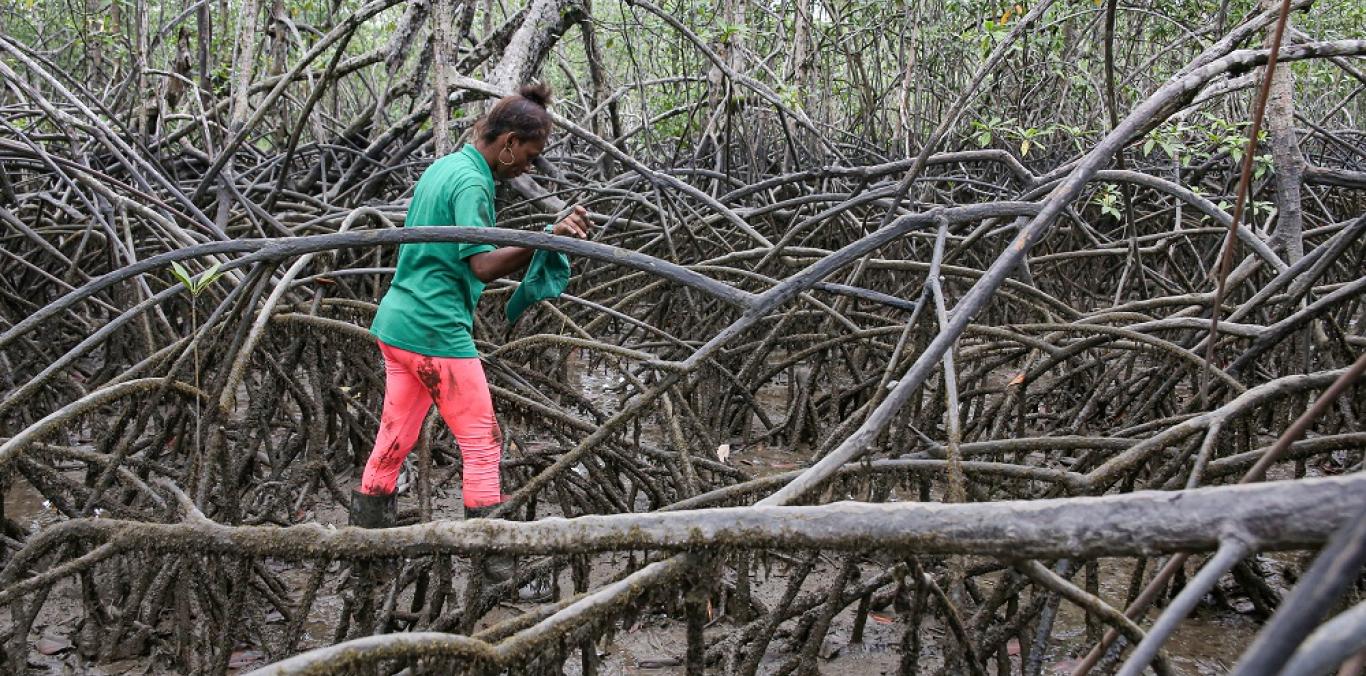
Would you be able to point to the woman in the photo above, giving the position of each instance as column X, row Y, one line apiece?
column 424, row 324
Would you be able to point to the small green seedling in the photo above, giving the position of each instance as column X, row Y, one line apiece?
column 195, row 285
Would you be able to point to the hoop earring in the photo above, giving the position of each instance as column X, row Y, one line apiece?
column 508, row 150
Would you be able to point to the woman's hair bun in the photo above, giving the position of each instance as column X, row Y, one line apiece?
column 523, row 113
column 537, row 93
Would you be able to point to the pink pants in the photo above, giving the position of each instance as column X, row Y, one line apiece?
column 461, row 393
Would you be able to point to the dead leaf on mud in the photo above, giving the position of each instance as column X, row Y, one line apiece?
column 881, row 618
column 242, row 658
column 1065, row 666
column 51, row 645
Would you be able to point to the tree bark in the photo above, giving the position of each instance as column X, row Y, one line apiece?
column 1286, row 157
column 546, row 21
column 441, row 57
column 1277, row 515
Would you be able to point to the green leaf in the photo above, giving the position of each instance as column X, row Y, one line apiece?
column 1148, row 147
column 181, row 274
column 210, row 276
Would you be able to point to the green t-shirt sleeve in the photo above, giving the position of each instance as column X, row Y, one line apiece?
column 473, row 207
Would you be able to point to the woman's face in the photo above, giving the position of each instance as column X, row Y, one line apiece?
column 519, row 153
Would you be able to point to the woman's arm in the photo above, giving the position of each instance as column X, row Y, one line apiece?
column 491, row 265
column 504, row 260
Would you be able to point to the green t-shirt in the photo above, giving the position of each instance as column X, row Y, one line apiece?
column 429, row 308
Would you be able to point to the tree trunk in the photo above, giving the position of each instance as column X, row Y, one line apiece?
column 441, row 57
column 1286, row 157
column 546, row 21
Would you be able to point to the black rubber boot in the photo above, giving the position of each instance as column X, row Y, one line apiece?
column 499, row 568
column 373, row 511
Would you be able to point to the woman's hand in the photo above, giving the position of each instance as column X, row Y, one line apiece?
column 505, row 260
column 576, row 224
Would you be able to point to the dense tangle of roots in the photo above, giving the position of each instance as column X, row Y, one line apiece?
column 699, row 361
